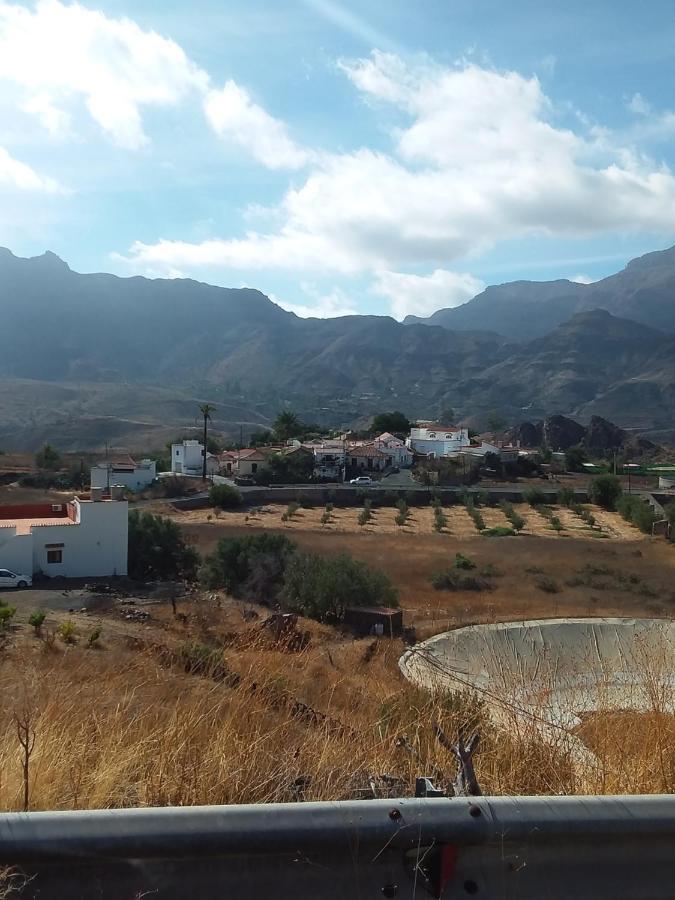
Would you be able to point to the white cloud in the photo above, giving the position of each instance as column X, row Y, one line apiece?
column 421, row 295
column 233, row 115
column 581, row 279
column 639, row 105
column 58, row 55
column 16, row 174
column 480, row 159
column 321, row 306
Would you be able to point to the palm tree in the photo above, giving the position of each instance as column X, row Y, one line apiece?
column 287, row 425
column 206, row 409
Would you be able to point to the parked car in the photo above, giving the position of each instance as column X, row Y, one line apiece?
column 14, row 579
column 362, row 479
column 244, row 481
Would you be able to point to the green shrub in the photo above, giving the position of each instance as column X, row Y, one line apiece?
column 637, row 511
column 157, row 549
column 516, row 520
column 364, row 515
column 224, row 496
column 67, row 631
column 440, row 519
column 198, row 659
column 36, row 619
column 499, row 531
column 323, row 587
column 556, row 524
column 534, row 496
column 452, row 580
column 463, row 562
column 325, row 517
column 291, row 510
column 7, row 613
column 605, row 491
column 548, row 585
column 94, row 638
column 565, row 496
column 250, row 565
column 478, row 520
column 491, row 571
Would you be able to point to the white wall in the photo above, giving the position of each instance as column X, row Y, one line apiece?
column 16, row 551
column 96, row 546
column 187, row 459
column 441, row 443
column 134, row 480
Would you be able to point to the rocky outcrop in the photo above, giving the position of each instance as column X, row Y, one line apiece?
column 561, row 433
column 602, row 435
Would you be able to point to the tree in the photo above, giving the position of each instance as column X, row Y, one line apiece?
column 157, row 549
column 296, row 467
column 224, row 496
column 287, row 425
column 393, row 422
column 249, row 566
column 575, row 457
column 496, row 421
column 47, row 458
column 206, row 409
column 323, row 587
column 605, row 490
column 447, row 415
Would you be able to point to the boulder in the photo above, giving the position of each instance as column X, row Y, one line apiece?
column 561, row 433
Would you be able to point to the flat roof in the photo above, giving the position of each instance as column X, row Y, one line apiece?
column 23, row 526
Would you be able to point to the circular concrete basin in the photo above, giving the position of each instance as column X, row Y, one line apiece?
column 553, row 669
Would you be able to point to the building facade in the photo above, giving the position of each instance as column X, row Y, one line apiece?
column 437, row 440
column 83, row 538
column 187, row 458
column 131, row 475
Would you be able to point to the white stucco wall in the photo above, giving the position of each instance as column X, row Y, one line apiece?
column 16, row 551
column 134, row 480
column 441, row 443
column 187, row 459
column 96, row 546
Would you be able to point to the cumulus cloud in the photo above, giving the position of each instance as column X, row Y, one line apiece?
column 421, row 295
column 320, row 306
column 480, row 158
column 581, row 279
column 19, row 175
column 58, row 55
column 234, row 116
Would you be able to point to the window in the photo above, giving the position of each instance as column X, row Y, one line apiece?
column 254, row 468
column 448, row 437
column 432, row 434
column 54, row 556
column 57, row 507
column 177, row 452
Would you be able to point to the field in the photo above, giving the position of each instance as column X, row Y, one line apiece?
column 205, row 707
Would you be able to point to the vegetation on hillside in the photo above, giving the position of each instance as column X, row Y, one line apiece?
column 157, row 549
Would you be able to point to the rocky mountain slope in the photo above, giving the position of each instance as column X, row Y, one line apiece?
column 644, row 292
column 122, row 348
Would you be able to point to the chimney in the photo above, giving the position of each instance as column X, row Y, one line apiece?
column 96, row 494
column 117, row 492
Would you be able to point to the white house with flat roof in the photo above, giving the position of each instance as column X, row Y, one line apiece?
column 83, row 538
column 438, row 440
column 187, row 458
column 127, row 473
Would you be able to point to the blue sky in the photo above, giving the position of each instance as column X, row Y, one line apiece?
column 384, row 157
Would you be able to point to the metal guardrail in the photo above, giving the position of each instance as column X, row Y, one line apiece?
column 530, row 848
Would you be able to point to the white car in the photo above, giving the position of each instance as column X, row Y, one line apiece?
column 362, row 479
column 14, row 580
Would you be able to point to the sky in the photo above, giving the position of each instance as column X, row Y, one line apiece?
column 388, row 157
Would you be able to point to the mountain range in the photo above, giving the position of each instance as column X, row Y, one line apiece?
column 89, row 358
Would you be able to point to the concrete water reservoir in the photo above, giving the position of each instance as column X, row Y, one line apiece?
column 553, row 669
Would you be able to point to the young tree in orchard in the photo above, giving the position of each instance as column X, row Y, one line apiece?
column 47, row 458
column 206, row 409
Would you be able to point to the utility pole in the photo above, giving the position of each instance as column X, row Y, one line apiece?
column 206, row 409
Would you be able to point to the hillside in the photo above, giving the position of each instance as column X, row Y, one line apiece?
column 644, row 292
column 90, row 359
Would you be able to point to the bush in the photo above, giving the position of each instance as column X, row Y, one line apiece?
column 323, row 587
column 516, row 520
column 291, row 510
column 7, row 613
column 463, row 562
column 499, row 531
column 326, row 515
column 565, row 496
column 94, row 638
column 198, row 659
column 452, row 580
column 403, row 512
column 224, row 496
column 556, row 524
column 157, row 549
column 365, row 514
column 67, row 631
column 440, row 519
column 637, row 511
column 251, row 565
column 36, row 619
column 605, row 491
column 478, row 520
column 47, row 458
column 534, row 496
column 548, row 585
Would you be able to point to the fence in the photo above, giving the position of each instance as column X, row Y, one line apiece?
column 586, row 848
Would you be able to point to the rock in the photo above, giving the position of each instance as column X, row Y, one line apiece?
column 602, row 435
column 561, row 433
column 527, row 434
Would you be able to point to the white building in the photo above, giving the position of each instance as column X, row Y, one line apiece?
column 329, row 459
column 395, row 448
column 132, row 475
column 187, row 458
column 438, row 440
column 79, row 539
column 507, row 454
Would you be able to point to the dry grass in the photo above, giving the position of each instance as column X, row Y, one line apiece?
column 126, row 726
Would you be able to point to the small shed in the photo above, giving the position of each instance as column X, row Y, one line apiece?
column 374, row 620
